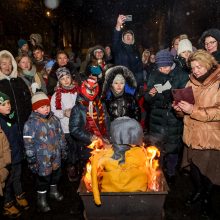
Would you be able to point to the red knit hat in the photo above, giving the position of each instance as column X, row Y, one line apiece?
column 38, row 100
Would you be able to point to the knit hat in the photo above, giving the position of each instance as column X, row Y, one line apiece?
column 38, row 100
column 184, row 45
column 21, row 43
column 3, row 98
column 125, row 130
column 213, row 32
column 62, row 71
column 164, row 58
column 49, row 64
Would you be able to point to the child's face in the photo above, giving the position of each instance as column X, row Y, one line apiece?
column 66, row 80
column 118, row 86
column 43, row 110
column 6, row 66
column 5, row 107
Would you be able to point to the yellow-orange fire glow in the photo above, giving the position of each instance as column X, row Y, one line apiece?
column 152, row 165
column 96, row 144
column 87, row 177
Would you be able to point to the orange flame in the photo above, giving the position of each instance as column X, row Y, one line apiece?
column 152, row 167
column 87, row 177
column 96, row 144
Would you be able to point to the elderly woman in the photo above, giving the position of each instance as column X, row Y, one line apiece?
column 210, row 41
column 202, row 127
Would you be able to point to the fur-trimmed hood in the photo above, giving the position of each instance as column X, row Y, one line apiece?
column 14, row 72
column 90, row 52
column 113, row 71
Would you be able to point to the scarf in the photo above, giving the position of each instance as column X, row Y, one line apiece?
column 95, row 120
column 59, row 90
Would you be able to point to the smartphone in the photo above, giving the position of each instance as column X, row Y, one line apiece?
column 128, row 18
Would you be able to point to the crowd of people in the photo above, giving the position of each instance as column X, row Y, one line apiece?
column 51, row 109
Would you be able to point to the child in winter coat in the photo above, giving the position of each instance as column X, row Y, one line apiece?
column 13, row 188
column 62, row 103
column 45, row 146
column 118, row 92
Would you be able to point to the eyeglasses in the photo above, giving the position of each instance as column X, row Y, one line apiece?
column 211, row 42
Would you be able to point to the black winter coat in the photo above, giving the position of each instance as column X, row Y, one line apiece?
column 128, row 56
column 20, row 98
column 124, row 105
column 10, row 128
column 165, row 128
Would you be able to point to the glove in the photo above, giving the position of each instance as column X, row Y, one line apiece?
column 34, row 87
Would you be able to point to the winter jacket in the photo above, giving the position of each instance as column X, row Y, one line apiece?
column 67, row 102
column 128, row 56
column 123, row 105
column 52, row 78
column 202, row 126
column 45, row 144
column 163, row 123
column 11, row 130
column 5, row 160
column 77, row 126
column 18, row 92
column 130, row 176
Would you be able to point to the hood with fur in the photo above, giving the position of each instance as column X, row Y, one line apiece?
column 14, row 72
column 113, row 71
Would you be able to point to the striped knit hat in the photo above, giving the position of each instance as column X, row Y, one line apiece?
column 38, row 100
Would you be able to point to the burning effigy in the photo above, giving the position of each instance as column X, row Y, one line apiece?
column 124, row 166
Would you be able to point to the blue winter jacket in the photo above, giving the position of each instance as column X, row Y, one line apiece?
column 45, row 143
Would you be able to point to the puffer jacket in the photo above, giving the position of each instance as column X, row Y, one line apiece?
column 45, row 143
column 5, row 159
column 202, row 126
column 18, row 92
column 130, row 176
column 123, row 105
column 163, row 123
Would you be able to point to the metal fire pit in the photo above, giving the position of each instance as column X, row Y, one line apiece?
column 125, row 206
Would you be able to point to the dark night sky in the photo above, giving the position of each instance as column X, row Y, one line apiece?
column 155, row 22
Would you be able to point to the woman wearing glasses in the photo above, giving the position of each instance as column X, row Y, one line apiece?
column 210, row 41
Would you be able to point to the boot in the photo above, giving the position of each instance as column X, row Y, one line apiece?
column 22, row 202
column 42, row 205
column 55, row 194
column 10, row 211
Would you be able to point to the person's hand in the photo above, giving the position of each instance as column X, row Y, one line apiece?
column 186, row 107
column 120, row 22
column 67, row 112
column 176, row 107
column 153, row 92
